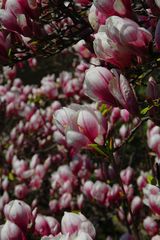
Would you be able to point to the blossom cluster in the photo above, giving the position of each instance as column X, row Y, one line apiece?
column 80, row 151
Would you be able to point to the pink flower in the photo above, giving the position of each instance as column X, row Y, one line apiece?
column 154, row 201
column 81, row 125
column 72, row 223
column 65, row 201
column 119, row 40
column 150, row 226
column 128, row 33
column 127, row 175
column 17, row 16
column 154, row 143
column 136, row 204
column 10, row 231
column 97, row 85
column 96, row 18
column 123, row 93
column 152, row 89
column 21, row 191
column 19, row 213
column 42, row 226
column 87, row 188
column 53, row 224
column 99, row 191
column 108, row 50
column 141, row 181
column 89, row 125
column 83, row 2
column 114, row 7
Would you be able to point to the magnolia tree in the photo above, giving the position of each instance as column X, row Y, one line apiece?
column 80, row 151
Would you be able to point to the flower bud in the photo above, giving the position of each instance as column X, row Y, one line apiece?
column 136, row 204
column 11, row 231
column 19, row 213
column 127, row 175
column 150, row 226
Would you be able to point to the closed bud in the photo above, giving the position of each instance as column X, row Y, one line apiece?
column 136, row 204
column 11, row 231
column 151, row 226
column 19, row 213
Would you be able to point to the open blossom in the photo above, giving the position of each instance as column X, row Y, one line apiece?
column 127, row 32
column 17, row 16
column 114, row 90
column 96, row 18
column 81, row 125
column 106, row 49
column 119, row 40
column 114, row 7
column 72, row 223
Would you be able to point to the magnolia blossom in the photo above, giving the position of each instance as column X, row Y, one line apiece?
column 99, row 191
column 115, row 90
column 150, row 226
column 96, row 18
column 97, row 85
column 153, row 138
column 45, row 225
column 127, row 175
column 153, row 90
column 127, row 32
column 136, row 204
column 119, row 40
column 17, row 16
column 152, row 198
column 114, row 7
column 18, row 212
column 81, row 125
column 11, row 231
column 79, row 236
column 72, row 223
column 111, row 52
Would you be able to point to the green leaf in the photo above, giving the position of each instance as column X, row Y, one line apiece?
column 145, row 110
column 9, row 52
column 151, row 180
column 144, row 74
column 97, row 148
column 11, row 176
